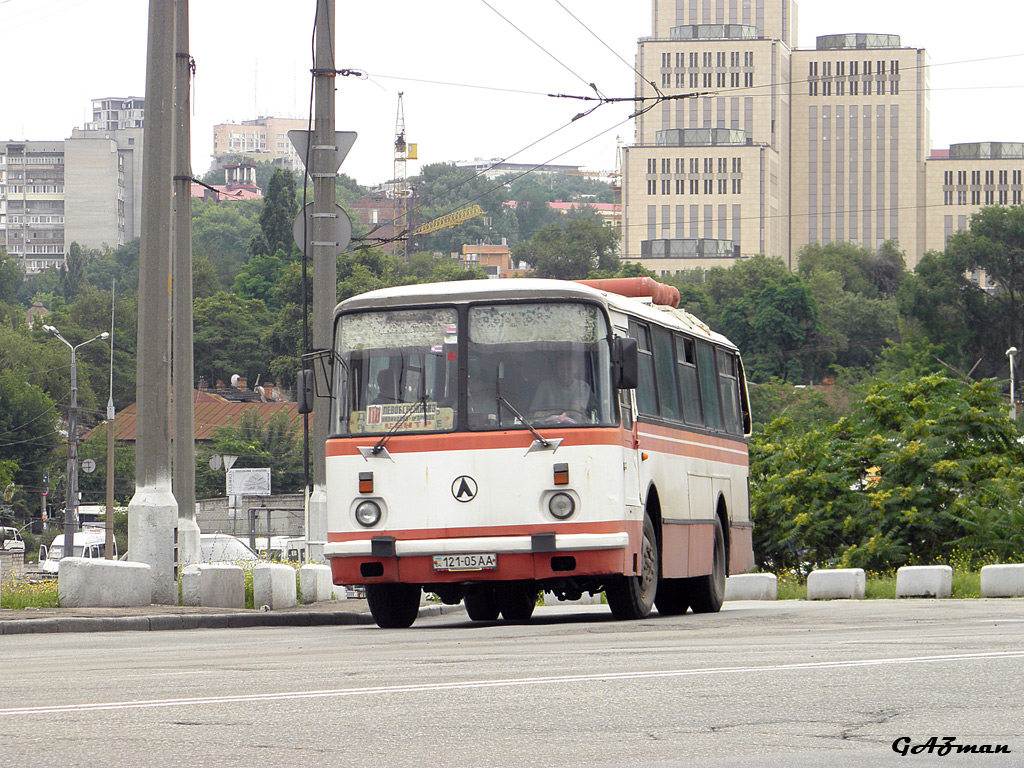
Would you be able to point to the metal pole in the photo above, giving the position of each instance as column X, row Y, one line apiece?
column 184, row 481
column 71, row 502
column 1012, row 353
column 109, row 538
column 325, row 291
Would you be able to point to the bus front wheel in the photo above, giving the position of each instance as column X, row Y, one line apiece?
column 393, row 606
column 632, row 597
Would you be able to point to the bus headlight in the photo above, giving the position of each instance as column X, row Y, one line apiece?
column 368, row 514
column 561, row 505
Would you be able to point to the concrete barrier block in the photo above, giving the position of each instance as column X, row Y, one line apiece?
column 84, row 582
column 1002, row 581
column 273, row 584
column 340, row 592
column 315, row 583
column 836, row 584
column 213, row 585
column 585, row 599
column 752, row 586
column 924, row 581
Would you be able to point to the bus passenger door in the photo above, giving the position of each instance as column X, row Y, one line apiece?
column 630, row 454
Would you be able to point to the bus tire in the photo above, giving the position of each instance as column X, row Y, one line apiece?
column 516, row 601
column 393, row 606
column 673, row 597
column 481, row 603
column 632, row 597
column 707, row 593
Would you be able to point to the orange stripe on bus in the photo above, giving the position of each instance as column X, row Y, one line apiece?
column 472, row 441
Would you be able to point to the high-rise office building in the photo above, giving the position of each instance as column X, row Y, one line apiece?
column 761, row 147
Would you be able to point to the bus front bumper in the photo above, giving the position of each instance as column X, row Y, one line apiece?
column 537, row 556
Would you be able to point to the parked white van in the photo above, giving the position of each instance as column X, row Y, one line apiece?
column 89, row 542
column 224, row 548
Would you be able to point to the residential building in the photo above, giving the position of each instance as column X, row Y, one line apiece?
column 496, row 168
column 85, row 189
column 32, row 203
column 264, row 139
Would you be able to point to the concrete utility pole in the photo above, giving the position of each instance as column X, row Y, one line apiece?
column 109, row 519
column 153, row 511
column 71, row 501
column 325, row 266
column 184, row 484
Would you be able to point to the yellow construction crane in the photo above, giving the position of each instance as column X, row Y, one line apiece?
column 400, row 191
column 449, row 220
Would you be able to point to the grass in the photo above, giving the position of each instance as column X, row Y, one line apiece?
column 21, row 594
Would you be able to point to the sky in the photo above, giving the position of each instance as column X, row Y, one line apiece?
column 475, row 73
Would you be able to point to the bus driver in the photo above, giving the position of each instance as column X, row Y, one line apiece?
column 566, row 397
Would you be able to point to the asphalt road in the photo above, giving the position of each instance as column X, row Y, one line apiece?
column 761, row 684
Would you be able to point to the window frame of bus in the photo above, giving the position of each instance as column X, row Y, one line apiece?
column 464, row 347
column 340, row 387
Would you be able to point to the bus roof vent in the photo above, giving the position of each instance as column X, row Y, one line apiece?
column 638, row 287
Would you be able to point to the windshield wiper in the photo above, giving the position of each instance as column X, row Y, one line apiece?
column 398, row 425
column 543, row 441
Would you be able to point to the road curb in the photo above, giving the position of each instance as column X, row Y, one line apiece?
column 177, row 621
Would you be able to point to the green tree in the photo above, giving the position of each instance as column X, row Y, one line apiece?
column 228, row 337
column 279, row 210
column 28, row 432
column 921, row 467
column 862, row 271
column 221, row 233
column 582, row 246
column 258, row 279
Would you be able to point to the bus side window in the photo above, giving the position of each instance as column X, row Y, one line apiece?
column 707, row 374
column 729, row 388
column 665, row 370
column 686, row 359
column 626, row 409
column 646, row 395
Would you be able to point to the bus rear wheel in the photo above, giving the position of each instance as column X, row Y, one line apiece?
column 393, row 606
column 632, row 597
column 707, row 593
column 481, row 603
column 515, row 600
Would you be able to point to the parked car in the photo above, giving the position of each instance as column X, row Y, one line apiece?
column 224, row 548
column 10, row 540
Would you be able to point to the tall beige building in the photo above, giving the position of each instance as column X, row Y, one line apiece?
column 708, row 178
column 762, row 148
column 859, row 143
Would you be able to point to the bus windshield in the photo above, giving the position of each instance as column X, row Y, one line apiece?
column 398, row 371
column 543, row 364
column 546, row 364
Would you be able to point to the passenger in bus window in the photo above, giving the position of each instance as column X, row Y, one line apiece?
column 564, row 398
column 386, row 389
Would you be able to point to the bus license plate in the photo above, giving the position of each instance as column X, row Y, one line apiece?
column 482, row 562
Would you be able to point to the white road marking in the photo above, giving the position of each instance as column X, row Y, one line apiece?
column 470, row 685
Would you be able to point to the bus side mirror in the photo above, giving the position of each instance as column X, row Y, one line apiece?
column 42, row 553
column 625, row 363
column 304, row 392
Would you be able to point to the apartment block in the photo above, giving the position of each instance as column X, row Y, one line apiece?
column 86, row 189
column 32, row 202
column 264, row 139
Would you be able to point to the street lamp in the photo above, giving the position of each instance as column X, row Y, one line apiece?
column 71, row 505
column 1012, row 353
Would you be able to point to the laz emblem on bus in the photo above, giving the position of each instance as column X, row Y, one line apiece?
column 464, row 488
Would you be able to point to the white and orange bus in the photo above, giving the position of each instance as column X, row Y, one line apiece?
column 491, row 439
